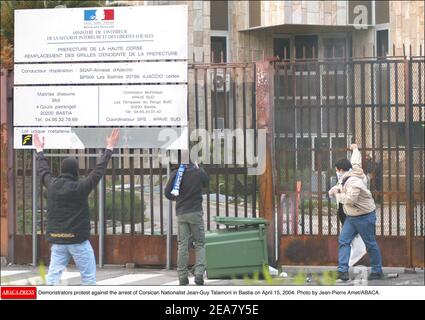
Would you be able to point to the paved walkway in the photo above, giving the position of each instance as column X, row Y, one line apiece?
column 118, row 275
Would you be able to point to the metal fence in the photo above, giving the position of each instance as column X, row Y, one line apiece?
column 321, row 106
column 220, row 97
column 324, row 105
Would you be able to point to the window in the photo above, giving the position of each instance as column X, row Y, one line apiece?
column 305, row 45
column 334, row 87
column 382, row 43
column 219, row 123
column 334, row 117
column 281, row 48
column 396, row 131
column 219, row 15
column 339, row 147
column 382, row 83
column 218, row 49
column 418, row 134
column 304, row 154
column 254, row 14
column 321, row 147
column 334, row 47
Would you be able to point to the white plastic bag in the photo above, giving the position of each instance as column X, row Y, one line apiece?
column 358, row 250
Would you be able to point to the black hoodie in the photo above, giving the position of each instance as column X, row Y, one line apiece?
column 68, row 218
column 190, row 195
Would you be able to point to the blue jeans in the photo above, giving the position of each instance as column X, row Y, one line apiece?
column 365, row 226
column 84, row 259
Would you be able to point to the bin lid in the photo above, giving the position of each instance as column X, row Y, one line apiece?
column 240, row 221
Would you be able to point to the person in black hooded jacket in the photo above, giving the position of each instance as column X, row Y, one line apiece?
column 68, row 217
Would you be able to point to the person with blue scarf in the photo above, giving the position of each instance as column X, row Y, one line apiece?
column 185, row 187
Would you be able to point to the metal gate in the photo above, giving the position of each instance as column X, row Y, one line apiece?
column 321, row 107
column 135, row 212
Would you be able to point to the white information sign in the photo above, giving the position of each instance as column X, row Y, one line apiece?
column 170, row 138
column 97, row 73
column 114, row 105
column 58, row 138
column 101, row 34
column 156, row 105
column 55, row 106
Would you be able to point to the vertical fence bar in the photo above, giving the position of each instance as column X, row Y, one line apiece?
column 310, row 149
column 318, row 149
column 132, row 192
column 169, row 225
column 301, row 107
column 235, row 166
column 409, row 160
column 161, row 209
column 96, row 202
column 41, row 207
column 245, row 177
column 196, row 96
column 216, row 136
column 328, row 136
column 207, row 145
column 101, row 221
column 276, row 141
column 421, row 151
column 334, row 149
column 363, row 107
column 12, row 182
column 254, row 126
column 142, row 192
column 226, row 126
column 34, row 209
column 152, row 216
column 122, row 193
column 113, row 178
column 390, row 213
column 346, row 114
column 24, row 170
column 381, row 145
column 373, row 124
column 397, row 151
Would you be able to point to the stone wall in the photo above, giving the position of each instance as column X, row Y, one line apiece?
column 304, row 12
column 407, row 26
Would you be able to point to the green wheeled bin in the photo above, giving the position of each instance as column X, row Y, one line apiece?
column 237, row 250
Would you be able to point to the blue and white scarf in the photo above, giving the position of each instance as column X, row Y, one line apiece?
column 178, row 180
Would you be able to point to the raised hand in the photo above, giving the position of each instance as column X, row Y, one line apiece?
column 38, row 143
column 353, row 146
column 113, row 139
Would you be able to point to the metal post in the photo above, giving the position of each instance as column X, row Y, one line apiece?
column 169, row 225
column 34, row 209
column 409, row 162
column 265, row 114
column 101, row 222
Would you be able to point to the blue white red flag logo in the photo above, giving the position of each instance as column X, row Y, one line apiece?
column 99, row 15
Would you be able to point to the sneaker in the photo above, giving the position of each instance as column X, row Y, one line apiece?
column 184, row 282
column 343, row 276
column 199, row 280
column 375, row 276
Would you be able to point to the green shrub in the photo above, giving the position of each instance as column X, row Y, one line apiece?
column 122, row 209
